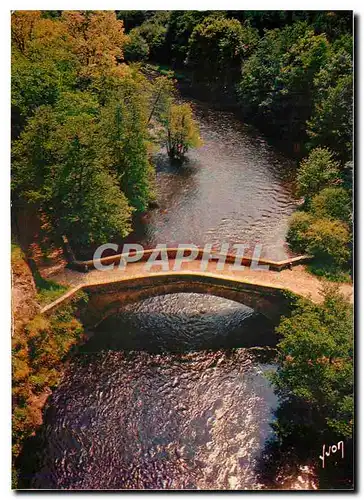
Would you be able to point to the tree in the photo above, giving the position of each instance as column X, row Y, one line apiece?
column 86, row 203
column 22, row 26
column 132, row 18
column 331, row 123
column 56, row 168
column 276, row 87
column 153, row 31
column 257, row 89
column 135, row 47
column 182, row 131
column 80, row 50
column 294, row 84
column 42, row 65
column 32, row 157
column 161, row 99
column 97, row 39
column 332, row 203
column 315, row 368
column 124, row 141
column 217, row 47
column 328, row 240
column 317, row 171
column 180, row 26
column 32, row 85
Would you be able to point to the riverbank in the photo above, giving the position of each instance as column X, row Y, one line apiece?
column 40, row 349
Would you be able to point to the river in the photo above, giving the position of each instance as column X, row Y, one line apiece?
column 172, row 393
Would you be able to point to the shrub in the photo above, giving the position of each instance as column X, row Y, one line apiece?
column 317, row 171
column 329, row 240
column 297, row 233
column 16, row 254
column 332, row 203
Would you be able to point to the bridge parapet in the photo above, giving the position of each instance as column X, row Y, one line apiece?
column 230, row 258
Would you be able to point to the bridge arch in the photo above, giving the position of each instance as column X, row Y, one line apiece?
column 106, row 299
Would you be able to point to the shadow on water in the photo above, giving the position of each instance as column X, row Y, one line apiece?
column 291, row 458
column 152, row 332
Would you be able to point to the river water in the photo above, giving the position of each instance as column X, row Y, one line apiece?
column 172, row 393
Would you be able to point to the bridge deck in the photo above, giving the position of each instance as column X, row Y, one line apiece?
column 296, row 280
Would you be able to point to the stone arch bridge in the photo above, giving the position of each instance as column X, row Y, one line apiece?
column 268, row 292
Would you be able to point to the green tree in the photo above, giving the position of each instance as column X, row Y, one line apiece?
column 317, row 171
column 153, row 31
column 135, row 47
column 294, row 84
column 276, row 87
column 328, row 240
column 217, row 47
column 331, row 123
column 180, row 26
column 332, row 203
column 86, row 203
column 182, row 131
column 32, row 85
column 32, row 157
column 42, row 65
column 315, row 367
column 132, row 18
column 161, row 99
column 125, row 142
column 56, row 168
column 258, row 89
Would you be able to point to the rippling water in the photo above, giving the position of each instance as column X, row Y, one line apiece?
column 236, row 188
column 174, row 415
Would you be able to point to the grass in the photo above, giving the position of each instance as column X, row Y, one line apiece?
column 48, row 290
column 16, row 253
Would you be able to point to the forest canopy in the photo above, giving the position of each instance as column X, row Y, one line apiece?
column 84, row 124
column 290, row 72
